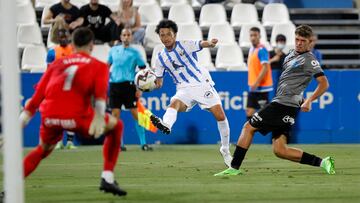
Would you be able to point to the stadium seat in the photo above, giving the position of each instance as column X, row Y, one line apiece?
column 101, row 52
column 196, row 4
column 275, row 13
column 244, row 38
column 181, row 13
column 223, row 32
column 230, row 57
column 244, row 14
column 288, row 30
column 29, row 35
column 169, row 3
column 151, row 37
column 138, row 3
column 142, row 51
column 212, row 14
column 79, row 3
column 27, row 16
column 44, row 12
column 204, row 59
column 34, row 58
column 155, row 52
column 44, row 3
column 150, row 14
column 189, row 32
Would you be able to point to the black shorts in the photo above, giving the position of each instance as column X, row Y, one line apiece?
column 275, row 118
column 257, row 100
column 122, row 94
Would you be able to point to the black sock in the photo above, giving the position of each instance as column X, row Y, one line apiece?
column 70, row 136
column 310, row 159
column 239, row 155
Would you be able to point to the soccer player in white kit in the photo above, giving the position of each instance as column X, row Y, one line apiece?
column 193, row 83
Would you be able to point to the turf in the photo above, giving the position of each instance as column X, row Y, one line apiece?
column 184, row 173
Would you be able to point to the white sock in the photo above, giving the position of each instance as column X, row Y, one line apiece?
column 108, row 176
column 224, row 131
column 170, row 116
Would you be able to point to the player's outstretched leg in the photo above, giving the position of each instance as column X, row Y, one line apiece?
column 111, row 151
column 159, row 124
column 33, row 158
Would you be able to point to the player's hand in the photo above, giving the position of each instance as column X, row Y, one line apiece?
column 138, row 93
column 25, row 117
column 213, row 42
column 306, row 106
column 97, row 126
column 253, row 87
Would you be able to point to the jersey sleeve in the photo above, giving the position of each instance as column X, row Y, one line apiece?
column 101, row 81
column 39, row 94
column 263, row 55
column 191, row 45
column 313, row 67
column 139, row 60
column 110, row 59
column 107, row 11
column 50, row 56
column 159, row 67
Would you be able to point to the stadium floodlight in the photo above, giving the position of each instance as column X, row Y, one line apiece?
column 10, row 89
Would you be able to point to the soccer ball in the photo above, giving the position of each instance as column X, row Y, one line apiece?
column 145, row 80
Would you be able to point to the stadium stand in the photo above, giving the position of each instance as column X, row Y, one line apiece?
column 223, row 32
column 34, row 59
column 204, row 59
column 337, row 29
column 169, row 3
column 244, row 38
column 101, row 52
column 211, row 14
column 287, row 29
column 181, row 13
column 189, row 31
column 29, row 35
column 230, row 57
column 244, row 14
column 150, row 13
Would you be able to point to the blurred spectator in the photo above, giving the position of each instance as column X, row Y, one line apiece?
column 317, row 53
column 277, row 56
column 60, row 35
column 95, row 15
column 66, row 11
column 128, row 16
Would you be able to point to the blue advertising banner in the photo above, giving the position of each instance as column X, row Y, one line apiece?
column 335, row 116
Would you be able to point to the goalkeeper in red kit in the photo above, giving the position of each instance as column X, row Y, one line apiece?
column 64, row 97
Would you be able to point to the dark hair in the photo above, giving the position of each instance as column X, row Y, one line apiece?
column 304, row 31
column 255, row 29
column 166, row 24
column 280, row 37
column 82, row 36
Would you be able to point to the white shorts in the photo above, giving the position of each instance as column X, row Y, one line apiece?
column 204, row 95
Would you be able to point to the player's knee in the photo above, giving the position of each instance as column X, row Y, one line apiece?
column 279, row 151
column 248, row 127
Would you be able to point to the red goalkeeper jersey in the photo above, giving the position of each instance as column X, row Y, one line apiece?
column 67, row 87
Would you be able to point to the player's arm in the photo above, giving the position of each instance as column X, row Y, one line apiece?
column 33, row 104
column 322, row 86
column 97, row 126
column 208, row 44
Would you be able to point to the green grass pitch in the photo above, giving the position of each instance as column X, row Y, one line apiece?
column 184, row 174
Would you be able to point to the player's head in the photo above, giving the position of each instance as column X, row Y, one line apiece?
column 126, row 36
column 167, row 29
column 280, row 41
column 254, row 36
column 303, row 35
column 83, row 39
column 65, row 1
column 94, row 2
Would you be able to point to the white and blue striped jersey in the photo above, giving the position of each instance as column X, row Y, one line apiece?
column 182, row 64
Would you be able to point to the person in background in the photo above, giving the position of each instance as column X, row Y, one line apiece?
column 123, row 60
column 128, row 16
column 316, row 52
column 95, row 16
column 277, row 55
column 66, row 11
